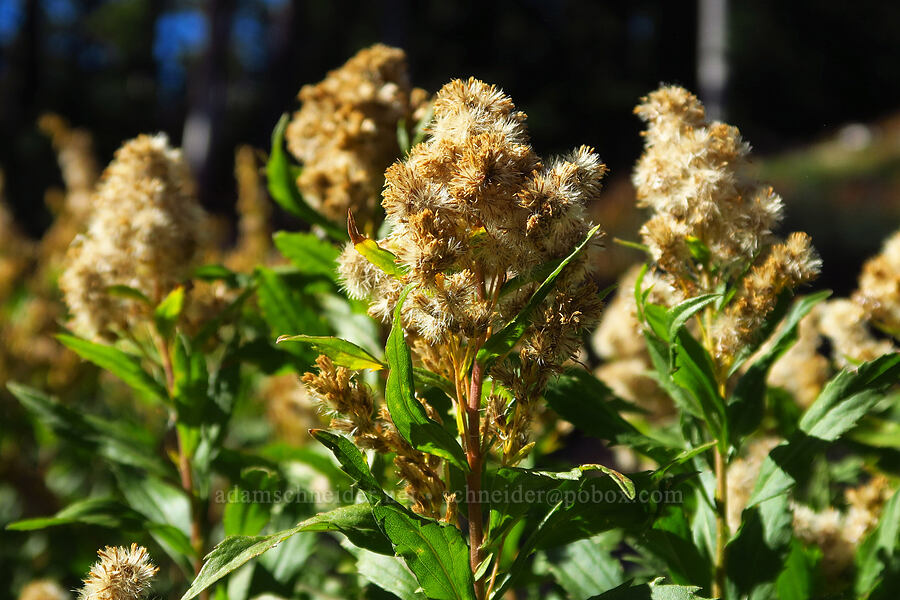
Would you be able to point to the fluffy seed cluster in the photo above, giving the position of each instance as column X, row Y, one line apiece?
column 803, row 370
column 144, row 233
column 471, row 208
column 847, row 327
column 345, row 134
column 120, row 574
column 43, row 589
column 838, row 533
column 879, row 287
column 710, row 221
column 353, row 410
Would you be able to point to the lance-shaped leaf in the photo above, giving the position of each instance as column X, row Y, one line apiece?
column 112, row 440
column 283, row 185
column 591, row 406
column 236, row 551
column 502, row 341
column 389, row 573
column 407, row 412
column 352, row 462
column 167, row 312
column 341, row 352
column 878, row 556
column 747, row 402
column 124, row 366
column 370, row 250
column 311, row 255
column 840, row 405
column 587, row 566
column 436, row 554
column 654, row 590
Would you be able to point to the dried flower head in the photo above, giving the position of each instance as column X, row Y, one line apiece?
column 43, row 589
column 120, row 574
column 839, row 533
column 473, row 207
column 879, row 287
column 145, row 233
column 711, row 222
column 847, row 327
column 345, row 134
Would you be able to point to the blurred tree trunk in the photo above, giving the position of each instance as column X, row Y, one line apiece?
column 207, row 89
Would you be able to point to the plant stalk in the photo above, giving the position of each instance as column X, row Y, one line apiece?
column 198, row 537
column 473, row 479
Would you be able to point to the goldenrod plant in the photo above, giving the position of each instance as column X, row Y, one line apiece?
column 383, row 408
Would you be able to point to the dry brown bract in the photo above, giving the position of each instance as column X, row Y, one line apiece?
column 345, row 134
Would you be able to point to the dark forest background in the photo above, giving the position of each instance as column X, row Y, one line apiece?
column 799, row 73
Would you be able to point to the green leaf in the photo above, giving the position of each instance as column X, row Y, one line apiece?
column 218, row 273
column 103, row 512
column 503, row 341
column 308, row 253
column 403, row 137
column 671, row 540
column 747, row 402
column 232, row 310
column 167, row 312
column 128, row 293
column 797, row 580
column 587, row 566
column 384, row 259
column 531, row 544
column 341, row 352
column 113, row 441
column 651, row 591
column 157, row 500
column 352, row 462
column 407, row 413
column 234, row 552
column 284, row 311
column 840, row 405
column 190, row 388
column 124, row 366
column 878, row 556
column 425, row 378
column 693, row 371
column 283, row 185
column 587, row 403
column 679, row 314
column 389, row 573
column 435, row 553
column 165, row 505
column 698, row 249
column 763, row 540
column 243, row 515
